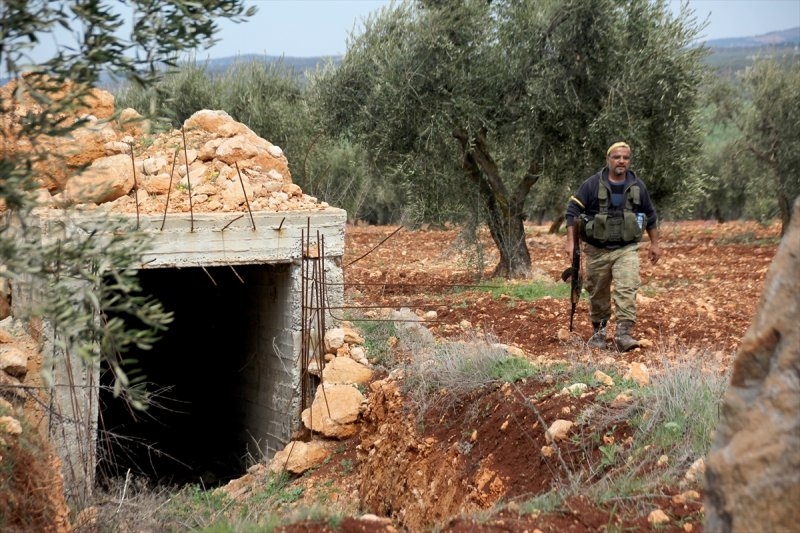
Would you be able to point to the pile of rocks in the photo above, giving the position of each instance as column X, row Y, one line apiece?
column 335, row 411
column 213, row 163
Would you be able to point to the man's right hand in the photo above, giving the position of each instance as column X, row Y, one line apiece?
column 569, row 246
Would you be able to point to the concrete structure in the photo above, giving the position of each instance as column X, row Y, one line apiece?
column 229, row 367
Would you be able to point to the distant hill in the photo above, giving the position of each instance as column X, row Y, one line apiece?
column 774, row 38
column 298, row 64
column 735, row 54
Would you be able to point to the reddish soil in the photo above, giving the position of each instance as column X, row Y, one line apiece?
column 701, row 294
column 464, row 460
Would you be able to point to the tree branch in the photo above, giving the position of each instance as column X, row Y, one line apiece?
column 524, row 186
column 489, row 167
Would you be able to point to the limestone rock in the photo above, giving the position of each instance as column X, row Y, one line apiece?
column 695, row 471
column 107, row 179
column 334, row 411
column 558, row 430
column 358, row 353
column 10, row 426
column 414, row 336
column 657, row 516
column 13, row 361
column 236, row 169
column 622, row 399
column 297, row 456
column 603, row 378
column 684, row 497
column 313, row 368
column 575, row 389
column 510, row 350
column 753, row 468
column 334, row 339
column 255, row 478
column 130, row 121
column 345, row 370
column 351, row 336
column 11, row 390
column 638, row 372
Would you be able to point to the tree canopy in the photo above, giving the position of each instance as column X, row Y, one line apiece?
column 474, row 103
column 771, row 129
column 752, row 151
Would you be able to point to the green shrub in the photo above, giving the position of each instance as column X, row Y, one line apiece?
column 376, row 335
column 513, row 369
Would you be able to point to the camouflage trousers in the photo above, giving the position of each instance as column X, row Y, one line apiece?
column 612, row 274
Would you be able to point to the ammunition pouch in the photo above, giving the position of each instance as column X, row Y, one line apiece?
column 606, row 229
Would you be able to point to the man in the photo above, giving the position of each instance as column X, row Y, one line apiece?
column 611, row 211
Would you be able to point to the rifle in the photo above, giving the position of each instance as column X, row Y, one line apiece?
column 574, row 273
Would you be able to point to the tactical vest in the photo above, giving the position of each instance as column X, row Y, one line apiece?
column 618, row 226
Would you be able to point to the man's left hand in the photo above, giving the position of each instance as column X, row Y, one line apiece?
column 654, row 252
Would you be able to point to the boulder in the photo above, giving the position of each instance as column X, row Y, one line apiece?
column 753, row 468
column 298, row 456
column 345, row 370
column 334, row 411
column 108, row 178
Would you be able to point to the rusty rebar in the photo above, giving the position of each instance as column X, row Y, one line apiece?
column 244, row 192
column 209, row 275
column 374, row 247
column 135, row 185
column 169, row 190
column 231, row 222
column 188, row 181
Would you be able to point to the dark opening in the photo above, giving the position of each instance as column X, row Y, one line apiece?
column 193, row 432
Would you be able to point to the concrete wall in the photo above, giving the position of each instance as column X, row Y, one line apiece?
column 268, row 391
column 271, row 378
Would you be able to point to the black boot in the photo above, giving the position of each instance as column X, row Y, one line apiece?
column 598, row 338
column 623, row 338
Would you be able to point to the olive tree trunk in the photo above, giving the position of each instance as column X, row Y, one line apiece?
column 504, row 209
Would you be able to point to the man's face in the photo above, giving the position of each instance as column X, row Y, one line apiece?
column 618, row 161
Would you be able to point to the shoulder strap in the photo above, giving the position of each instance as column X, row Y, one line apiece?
column 602, row 197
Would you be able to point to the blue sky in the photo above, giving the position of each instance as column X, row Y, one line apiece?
column 306, row 28
column 321, row 27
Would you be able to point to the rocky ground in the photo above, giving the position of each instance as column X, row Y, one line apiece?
column 697, row 302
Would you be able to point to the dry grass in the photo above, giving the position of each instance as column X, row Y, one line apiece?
column 31, row 491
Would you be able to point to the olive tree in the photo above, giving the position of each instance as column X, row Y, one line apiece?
column 761, row 111
column 771, row 130
column 470, row 104
column 107, row 313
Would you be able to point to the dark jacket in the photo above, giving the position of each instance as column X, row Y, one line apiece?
column 586, row 201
